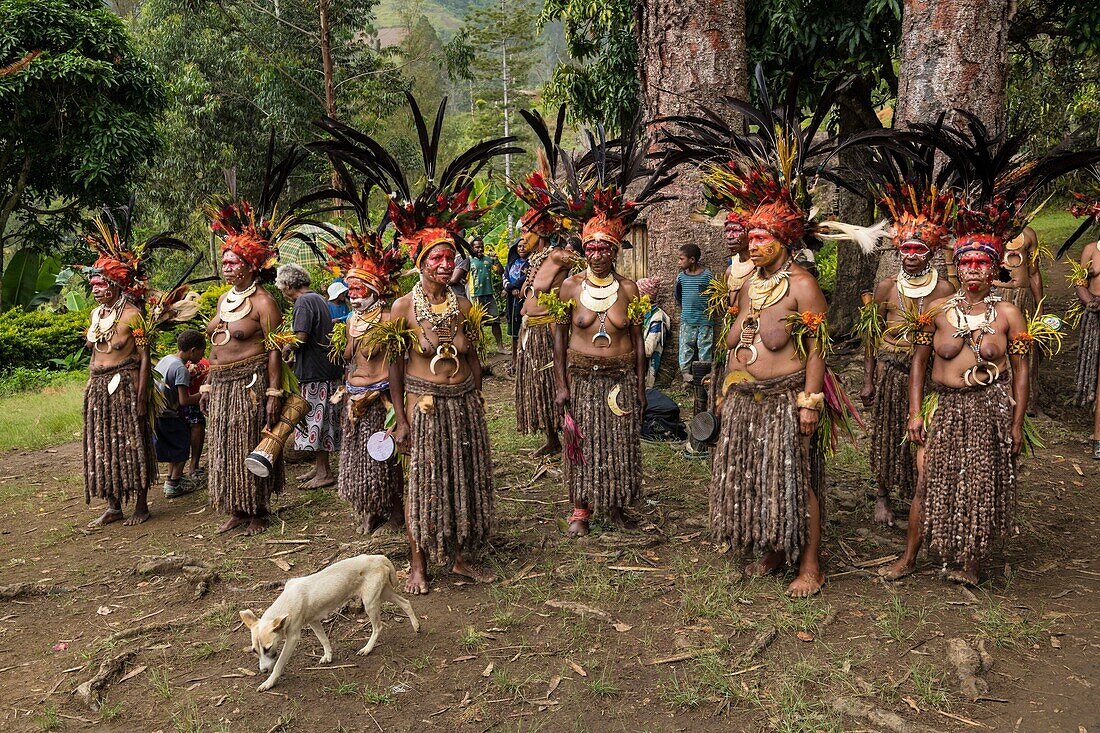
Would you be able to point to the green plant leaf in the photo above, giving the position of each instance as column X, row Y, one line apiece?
column 20, row 278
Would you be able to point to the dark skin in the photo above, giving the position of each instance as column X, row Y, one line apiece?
column 477, row 247
column 915, row 257
column 320, row 475
column 246, row 340
column 578, row 334
column 364, row 368
column 776, row 357
column 1089, row 295
column 953, row 358
column 436, row 268
column 516, row 294
column 1023, row 272
column 175, row 470
column 549, row 277
column 122, row 347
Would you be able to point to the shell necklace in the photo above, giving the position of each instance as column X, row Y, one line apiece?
column 917, row 286
column 236, row 304
column 983, row 373
column 360, row 323
column 534, row 262
column 763, row 293
column 441, row 317
column 598, row 294
column 102, row 328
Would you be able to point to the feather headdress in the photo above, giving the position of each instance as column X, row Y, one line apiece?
column 120, row 259
column 444, row 206
column 254, row 232
column 535, row 188
column 999, row 180
column 1087, row 207
column 766, row 175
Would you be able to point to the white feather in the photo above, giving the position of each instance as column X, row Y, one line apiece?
column 866, row 237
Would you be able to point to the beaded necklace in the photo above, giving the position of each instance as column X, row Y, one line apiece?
column 442, row 318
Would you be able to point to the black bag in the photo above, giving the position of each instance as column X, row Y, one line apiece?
column 662, row 418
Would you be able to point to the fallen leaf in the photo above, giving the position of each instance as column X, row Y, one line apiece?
column 1054, row 642
column 805, row 636
column 488, row 670
column 103, row 611
column 247, row 672
column 281, row 564
column 1077, row 468
column 554, row 682
column 621, row 627
column 466, row 658
column 911, row 703
column 576, row 668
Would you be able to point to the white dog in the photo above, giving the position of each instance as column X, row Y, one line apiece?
column 310, row 600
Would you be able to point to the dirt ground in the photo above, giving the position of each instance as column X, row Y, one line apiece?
column 649, row 630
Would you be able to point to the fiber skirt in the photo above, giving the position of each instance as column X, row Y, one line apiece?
column 118, row 450
column 892, row 459
column 535, row 409
column 372, row 488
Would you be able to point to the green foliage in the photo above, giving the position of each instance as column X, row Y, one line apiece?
column 77, row 125
column 30, row 279
column 33, row 339
column 21, row 379
column 600, row 85
column 43, row 417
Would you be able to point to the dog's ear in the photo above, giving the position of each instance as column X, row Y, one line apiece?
column 248, row 618
column 278, row 622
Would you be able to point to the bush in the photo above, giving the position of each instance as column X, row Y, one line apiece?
column 21, row 379
column 32, row 339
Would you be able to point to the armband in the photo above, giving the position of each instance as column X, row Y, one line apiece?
column 811, row 401
column 273, row 392
column 1020, row 345
column 921, row 338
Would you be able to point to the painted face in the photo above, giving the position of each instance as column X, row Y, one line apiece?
column 600, row 254
column 975, row 271
column 530, row 240
column 764, row 249
column 360, row 295
column 915, row 255
column 736, row 237
column 234, row 269
column 104, row 291
column 439, row 263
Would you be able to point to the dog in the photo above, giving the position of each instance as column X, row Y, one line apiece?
column 308, row 601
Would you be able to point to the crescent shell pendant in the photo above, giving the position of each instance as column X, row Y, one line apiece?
column 214, row 337
column 602, row 334
column 1009, row 261
column 753, row 355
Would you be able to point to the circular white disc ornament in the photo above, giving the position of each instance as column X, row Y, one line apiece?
column 380, row 446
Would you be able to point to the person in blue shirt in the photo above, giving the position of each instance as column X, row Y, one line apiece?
column 338, row 306
column 696, row 329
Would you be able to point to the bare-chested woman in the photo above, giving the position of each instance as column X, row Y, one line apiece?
column 118, row 460
column 436, row 390
column 1085, row 279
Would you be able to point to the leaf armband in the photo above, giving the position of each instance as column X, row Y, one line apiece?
column 476, row 320
column 808, row 324
column 555, row 307
column 869, row 327
column 1078, row 275
column 638, row 308
column 392, row 338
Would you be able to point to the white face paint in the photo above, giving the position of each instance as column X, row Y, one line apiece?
column 360, row 305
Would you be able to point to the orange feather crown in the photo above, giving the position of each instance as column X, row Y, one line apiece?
column 364, row 257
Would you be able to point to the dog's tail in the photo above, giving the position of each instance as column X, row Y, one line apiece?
column 391, row 571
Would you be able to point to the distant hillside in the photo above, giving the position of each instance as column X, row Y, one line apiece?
column 445, row 15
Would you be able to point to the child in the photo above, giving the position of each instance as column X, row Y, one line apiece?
column 172, row 435
column 654, row 330
column 696, row 330
column 515, row 275
column 194, row 417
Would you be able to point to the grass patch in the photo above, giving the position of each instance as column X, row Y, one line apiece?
column 471, row 639
column 108, row 713
column 506, row 683
column 1007, row 629
column 51, row 416
column 48, row 719
column 208, row 650
column 377, row 696
column 158, row 680
column 685, row 695
column 928, row 683
column 602, row 687
column 898, row 621
column 344, row 689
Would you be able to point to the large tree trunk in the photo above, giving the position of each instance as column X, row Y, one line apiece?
column 687, row 51
column 855, row 270
column 954, row 54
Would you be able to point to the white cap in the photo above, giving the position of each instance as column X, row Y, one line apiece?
column 336, row 290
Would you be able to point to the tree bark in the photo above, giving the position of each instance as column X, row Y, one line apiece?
column 954, row 54
column 687, row 52
column 326, row 67
column 855, row 270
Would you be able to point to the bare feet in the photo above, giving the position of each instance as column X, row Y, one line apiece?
column 766, row 565
column 138, row 517
column 471, row 571
column 967, row 576
column 883, row 513
column 578, row 528
column 898, row 569
column 320, row 482
column 308, row 475
column 256, row 526
column 109, row 516
column 806, row 584
column 417, row 584
column 234, row 521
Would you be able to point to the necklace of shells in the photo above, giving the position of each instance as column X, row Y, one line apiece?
column 102, row 328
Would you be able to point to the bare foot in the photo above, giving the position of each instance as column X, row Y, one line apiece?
column 883, row 513
column 417, row 584
column 898, row 569
column 806, row 585
column 256, row 526
column 766, row 565
column 320, row 482
column 967, row 576
column 138, row 517
column 109, row 516
column 471, row 571
column 234, row 521
column 578, row 528
column 308, row 475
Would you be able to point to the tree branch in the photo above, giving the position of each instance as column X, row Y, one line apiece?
column 51, row 212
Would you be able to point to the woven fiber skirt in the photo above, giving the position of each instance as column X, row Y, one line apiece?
column 450, row 492
column 372, row 488
column 764, row 470
column 118, row 449
column 1088, row 359
column 892, row 459
column 535, row 409
column 235, row 417
column 609, row 475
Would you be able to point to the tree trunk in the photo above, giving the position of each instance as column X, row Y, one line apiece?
column 855, row 270
column 326, row 66
column 687, row 52
column 954, row 54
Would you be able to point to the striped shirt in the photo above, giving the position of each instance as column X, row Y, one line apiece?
column 690, row 297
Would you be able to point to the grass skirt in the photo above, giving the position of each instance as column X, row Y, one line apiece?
column 373, row 488
column 535, row 410
column 1088, row 359
column 235, row 417
column 763, row 471
column 450, row 492
column 892, row 459
column 610, row 476
column 118, row 450
column 969, row 478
